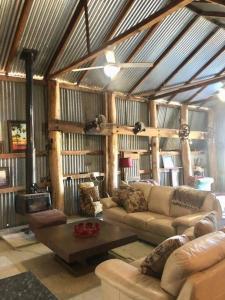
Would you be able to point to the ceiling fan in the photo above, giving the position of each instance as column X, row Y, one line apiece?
column 111, row 69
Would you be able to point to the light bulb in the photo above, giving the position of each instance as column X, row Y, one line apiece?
column 111, row 71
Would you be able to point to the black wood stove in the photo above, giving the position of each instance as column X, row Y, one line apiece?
column 33, row 200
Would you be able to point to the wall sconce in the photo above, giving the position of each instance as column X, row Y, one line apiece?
column 125, row 162
column 138, row 127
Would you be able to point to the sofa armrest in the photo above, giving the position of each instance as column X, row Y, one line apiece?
column 189, row 220
column 122, row 278
column 108, row 203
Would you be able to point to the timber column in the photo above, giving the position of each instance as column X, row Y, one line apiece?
column 112, row 145
column 185, row 147
column 55, row 137
column 154, row 142
column 212, row 147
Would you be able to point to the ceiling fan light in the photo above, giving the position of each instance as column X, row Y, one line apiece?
column 111, row 71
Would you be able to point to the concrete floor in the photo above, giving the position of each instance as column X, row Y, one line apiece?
column 40, row 260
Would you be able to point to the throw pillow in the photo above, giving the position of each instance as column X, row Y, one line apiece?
column 206, row 225
column 154, row 263
column 135, row 201
column 121, row 194
column 92, row 192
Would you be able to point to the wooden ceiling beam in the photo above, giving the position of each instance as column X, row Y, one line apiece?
column 163, row 55
column 73, row 22
column 87, row 26
column 19, row 32
column 143, row 25
column 213, row 58
column 198, row 92
column 188, row 58
column 204, row 14
column 151, row 94
column 115, row 26
column 221, row 2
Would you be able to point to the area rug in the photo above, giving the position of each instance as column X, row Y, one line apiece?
column 20, row 239
column 24, row 286
column 132, row 251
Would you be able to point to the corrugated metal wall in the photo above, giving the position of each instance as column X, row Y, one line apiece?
column 12, row 107
column 79, row 107
column 128, row 113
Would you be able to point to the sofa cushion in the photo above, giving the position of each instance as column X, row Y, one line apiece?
column 135, row 202
column 139, row 219
column 206, row 225
column 193, row 257
column 154, row 263
column 159, row 199
column 161, row 226
column 116, row 213
column 108, row 203
column 143, row 186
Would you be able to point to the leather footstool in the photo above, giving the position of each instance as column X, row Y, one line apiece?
column 46, row 218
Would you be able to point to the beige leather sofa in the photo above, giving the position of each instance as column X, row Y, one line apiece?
column 163, row 219
column 194, row 271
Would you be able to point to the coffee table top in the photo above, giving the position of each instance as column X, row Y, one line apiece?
column 62, row 242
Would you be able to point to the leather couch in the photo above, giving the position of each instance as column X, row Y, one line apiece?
column 163, row 219
column 194, row 271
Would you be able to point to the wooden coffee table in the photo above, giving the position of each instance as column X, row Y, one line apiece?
column 71, row 249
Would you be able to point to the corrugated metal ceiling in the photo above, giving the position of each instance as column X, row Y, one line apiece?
column 49, row 19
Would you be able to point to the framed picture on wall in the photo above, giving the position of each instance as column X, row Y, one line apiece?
column 17, row 136
column 4, row 177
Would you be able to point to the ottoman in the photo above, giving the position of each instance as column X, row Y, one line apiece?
column 46, row 218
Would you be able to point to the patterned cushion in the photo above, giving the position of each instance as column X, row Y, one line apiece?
column 154, row 263
column 92, row 192
column 206, row 225
column 121, row 194
column 135, row 202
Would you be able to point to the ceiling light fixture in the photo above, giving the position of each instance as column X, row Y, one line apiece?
column 111, row 71
column 221, row 95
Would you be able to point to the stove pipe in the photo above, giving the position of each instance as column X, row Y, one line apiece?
column 29, row 55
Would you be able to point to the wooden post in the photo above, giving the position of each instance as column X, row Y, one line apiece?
column 185, row 147
column 212, row 147
column 154, row 142
column 55, row 159
column 106, row 146
column 113, row 145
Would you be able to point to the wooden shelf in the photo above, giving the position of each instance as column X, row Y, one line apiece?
column 19, row 155
column 81, row 152
column 12, row 189
column 80, row 175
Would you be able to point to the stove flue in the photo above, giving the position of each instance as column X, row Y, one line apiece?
column 32, row 201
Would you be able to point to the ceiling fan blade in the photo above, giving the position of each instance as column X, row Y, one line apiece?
column 135, row 65
column 88, row 68
column 110, row 56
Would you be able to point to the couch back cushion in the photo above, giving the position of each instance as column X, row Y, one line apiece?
column 193, row 257
column 159, row 199
column 143, row 186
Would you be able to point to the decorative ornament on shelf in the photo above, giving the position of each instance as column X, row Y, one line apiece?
column 184, row 132
column 138, row 127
